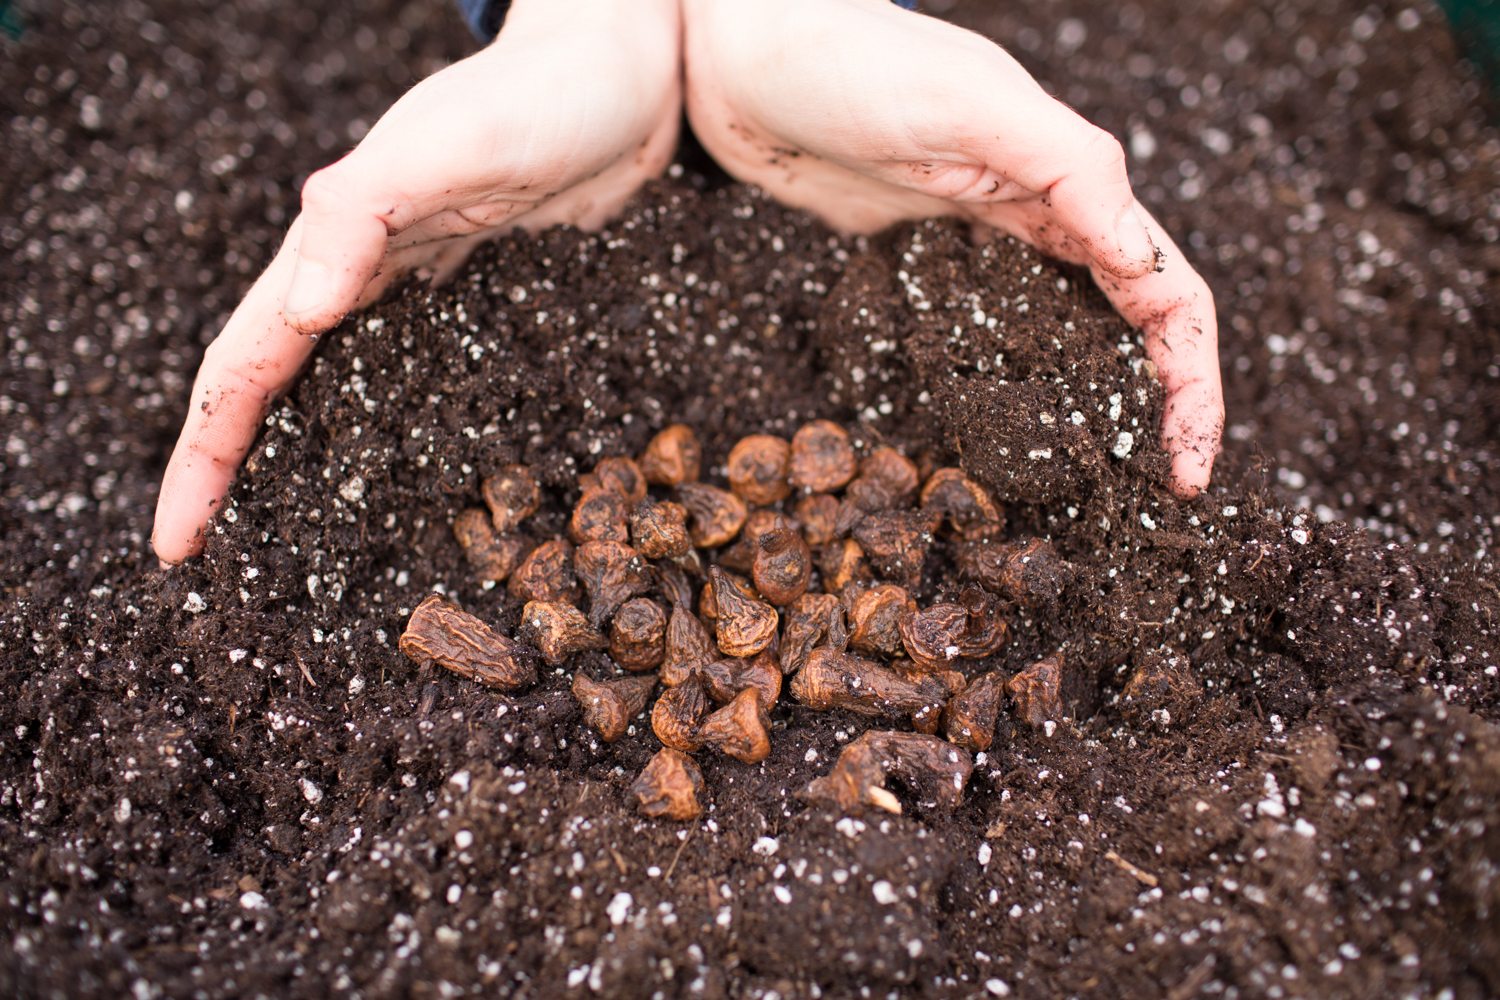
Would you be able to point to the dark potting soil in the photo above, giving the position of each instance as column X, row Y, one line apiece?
column 225, row 780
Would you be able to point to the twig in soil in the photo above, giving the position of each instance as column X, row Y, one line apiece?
column 667, row 878
column 1139, row 874
column 1195, row 980
column 303, row 667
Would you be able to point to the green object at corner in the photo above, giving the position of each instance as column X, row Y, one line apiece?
column 1476, row 25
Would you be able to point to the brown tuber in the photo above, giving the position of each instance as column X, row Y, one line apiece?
column 669, row 787
column 623, row 475
column 782, row 567
column 678, row 713
column 558, row 630
column 740, row 556
column 637, row 636
column 493, row 557
column 984, row 631
column 546, row 574
column 725, row 678
column 931, row 769
column 600, row 515
column 708, row 604
column 738, row 729
column 822, row 458
column 818, row 515
column 612, row 573
column 512, row 495
column 875, row 616
column 969, row 720
column 658, row 529
column 832, row 678
column 896, row 544
column 807, row 626
column 967, row 507
column 757, row 469
column 1037, row 692
column 1029, row 572
column 744, row 625
column 933, row 636
column 673, row 457
column 841, row 564
column 715, row 516
column 440, row 632
column 608, row 706
column 688, row 646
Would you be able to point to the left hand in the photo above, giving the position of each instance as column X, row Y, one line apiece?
column 865, row 115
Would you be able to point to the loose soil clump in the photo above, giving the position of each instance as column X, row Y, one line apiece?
column 1279, row 770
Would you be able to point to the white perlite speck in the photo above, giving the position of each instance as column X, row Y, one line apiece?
column 311, row 792
column 194, row 603
column 766, row 846
column 885, row 893
column 619, row 908
column 984, row 853
column 1124, row 444
column 353, row 488
column 252, row 901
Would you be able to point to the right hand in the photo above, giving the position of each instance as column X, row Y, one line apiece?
column 560, row 120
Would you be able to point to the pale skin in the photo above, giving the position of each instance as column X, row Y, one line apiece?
column 855, row 110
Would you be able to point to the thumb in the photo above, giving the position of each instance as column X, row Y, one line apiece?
column 344, row 236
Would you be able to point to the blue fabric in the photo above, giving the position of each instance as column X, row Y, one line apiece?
column 486, row 16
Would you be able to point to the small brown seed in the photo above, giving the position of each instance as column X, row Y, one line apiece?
column 623, row 475
column 715, row 516
column 896, row 544
column 875, row 618
column 984, row 631
column 1037, row 692
column 738, row 729
column 740, row 557
column 673, row 457
column 967, row 507
column 841, row 564
column 757, row 469
column 558, row 630
column 658, row 529
column 612, row 573
column 933, row 637
column 969, row 720
column 935, row 771
column 818, row 514
column 546, row 574
column 745, row 626
column 783, row 566
column 822, row 457
column 440, row 632
column 1028, row 572
column 493, row 557
column 678, row 713
column 1162, row 680
column 688, row 646
column 670, row 582
column 807, row 625
column 708, row 605
column 609, row 706
column 834, row 679
column 727, row 677
column 599, row 516
column 637, row 636
column 512, row 495
column 669, row 787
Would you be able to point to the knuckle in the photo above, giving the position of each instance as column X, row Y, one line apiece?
column 323, row 191
column 1104, row 151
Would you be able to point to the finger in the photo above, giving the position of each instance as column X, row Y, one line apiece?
column 1174, row 309
column 345, row 230
column 1094, row 204
column 252, row 361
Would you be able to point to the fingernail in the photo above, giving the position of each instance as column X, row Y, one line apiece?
column 309, row 288
column 1134, row 239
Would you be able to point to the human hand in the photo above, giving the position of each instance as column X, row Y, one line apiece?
column 866, row 114
column 560, row 120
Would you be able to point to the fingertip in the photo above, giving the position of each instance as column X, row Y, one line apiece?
column 1191, row 471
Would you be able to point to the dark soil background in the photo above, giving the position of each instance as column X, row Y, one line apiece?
column 224, row 780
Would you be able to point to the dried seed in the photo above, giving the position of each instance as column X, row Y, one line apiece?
column 896, row 544
column 1163, row 679
column 745, row 626
column 1029, row 572
column 875, row 618
column 673, row 457
column 969, row 720
column 623, row 475
column 688, row 646
column 984, row 631
column 678, row 713
column 757, row 469
column 546, row 574
column 738, row 729
column 612, row 573
column 818, row 514
column 968, row 507
column 725, row 678
column 600, row 516
column 558, row 630
column 658, row 529
column 637, row 636
column 609, row 706
column 807, row 625
column 841, row 564
column 933, row 637
column 493, row 557
column 934, row 771
column 708, row 604
column 834, row 679
column 670, row 582
column 1037, row 692
column 512, row 495
column 783, row 566
column 740, row 557
column 669, row 787
column 442, row 633
column 715, row 516
column 822, row 457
